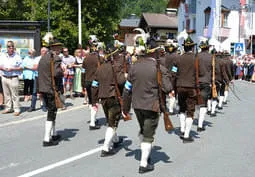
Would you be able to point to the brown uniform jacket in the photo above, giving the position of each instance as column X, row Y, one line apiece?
column 106, row 82
column 143, row 78
column 171, row 64
column 229, row 67
column 220, row 71
column 186, row 71
column 205, row 67
column 44, row 74
column 90, row 65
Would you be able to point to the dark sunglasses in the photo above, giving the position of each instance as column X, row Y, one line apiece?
column 10, row 46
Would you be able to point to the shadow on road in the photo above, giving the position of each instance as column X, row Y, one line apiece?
column 66, row 134
column 156, row 155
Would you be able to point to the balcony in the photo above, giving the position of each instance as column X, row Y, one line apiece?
column 224, row 32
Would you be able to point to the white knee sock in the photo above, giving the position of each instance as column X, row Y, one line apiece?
column 221, row 101
column 108, row 138
column 182, row 121
column 48, row 128
column 201, row 118
column 171, row 104
column 146, row 150
column 53, row 130
column 93, row 113
column 214, row 104
column 225, row 96
column 188, row 125
column 209, row 105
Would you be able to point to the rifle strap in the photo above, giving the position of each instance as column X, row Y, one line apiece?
column 197, row 71
column 52, row 74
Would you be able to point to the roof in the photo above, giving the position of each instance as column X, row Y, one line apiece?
column 173, row 4
column 160, row 20
column 130, row 22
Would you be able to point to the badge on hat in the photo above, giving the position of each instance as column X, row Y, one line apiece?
column 188, row 42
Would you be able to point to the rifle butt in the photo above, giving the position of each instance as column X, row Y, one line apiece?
column 214, row 92
column 168, row 124
column 128, row 117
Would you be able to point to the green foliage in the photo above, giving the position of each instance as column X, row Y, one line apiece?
column 139, row 6
column 99, row 17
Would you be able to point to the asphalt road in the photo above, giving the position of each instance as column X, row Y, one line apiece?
column 225, row 149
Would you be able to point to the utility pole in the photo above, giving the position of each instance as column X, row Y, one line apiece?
column 48, row 15
column 79, row 21
column 251, row 8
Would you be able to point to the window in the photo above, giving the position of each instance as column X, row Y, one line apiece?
column 207, row 18
column 224, row 20
column 194, row 23
column 207, row 13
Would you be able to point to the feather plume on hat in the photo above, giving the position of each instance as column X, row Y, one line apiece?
column 182, row 35
column 203, row 42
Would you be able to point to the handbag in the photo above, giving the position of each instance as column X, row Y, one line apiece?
column 58, row 96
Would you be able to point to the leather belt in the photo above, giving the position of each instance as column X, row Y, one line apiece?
column 9, row 77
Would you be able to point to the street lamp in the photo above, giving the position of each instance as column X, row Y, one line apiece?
column 248, row 8
column 48, row 15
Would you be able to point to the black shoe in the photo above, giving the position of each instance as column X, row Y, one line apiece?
column 188, row 140
column 199, row 129
column 107, row 153
column 220, row 107
column 96, row 127
column 224, row 102
column 50, row 143
column 1, row 107
column 117, row 144
column 182, row 135
column 56, row 137
column 208, row 112
column 213, row 115
column 148, row 168
column 31, row 109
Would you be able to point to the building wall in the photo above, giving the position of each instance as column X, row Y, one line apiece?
column 199, row 18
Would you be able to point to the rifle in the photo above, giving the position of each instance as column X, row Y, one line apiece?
column 200, row 99
column 167, row 122
column 117, row 91
column 214, row 90
column 124, row 63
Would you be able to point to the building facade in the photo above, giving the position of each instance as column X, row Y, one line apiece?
column 234, row 22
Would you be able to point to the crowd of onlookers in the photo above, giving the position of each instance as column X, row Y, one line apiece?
column 13, row 69
column 244, row 68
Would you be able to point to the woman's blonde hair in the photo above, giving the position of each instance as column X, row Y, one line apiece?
column 76, row 52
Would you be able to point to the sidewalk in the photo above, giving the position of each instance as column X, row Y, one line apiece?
column 76, row 103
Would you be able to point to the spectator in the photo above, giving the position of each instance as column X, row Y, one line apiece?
column 68, row 61
column 28, row 74
column 44, row 51
column 11, row 67
column 77, row 76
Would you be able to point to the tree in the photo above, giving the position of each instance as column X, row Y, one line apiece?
column 139, row 6
column 99, row 18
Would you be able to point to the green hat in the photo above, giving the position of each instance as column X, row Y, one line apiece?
column 204, row 44
column 55, row 43
column 188, row 42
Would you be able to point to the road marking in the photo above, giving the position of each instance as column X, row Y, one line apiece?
column 60, row 163
column 9, row 166
column 38, row 117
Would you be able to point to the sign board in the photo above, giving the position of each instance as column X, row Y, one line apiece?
column 239, row 47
